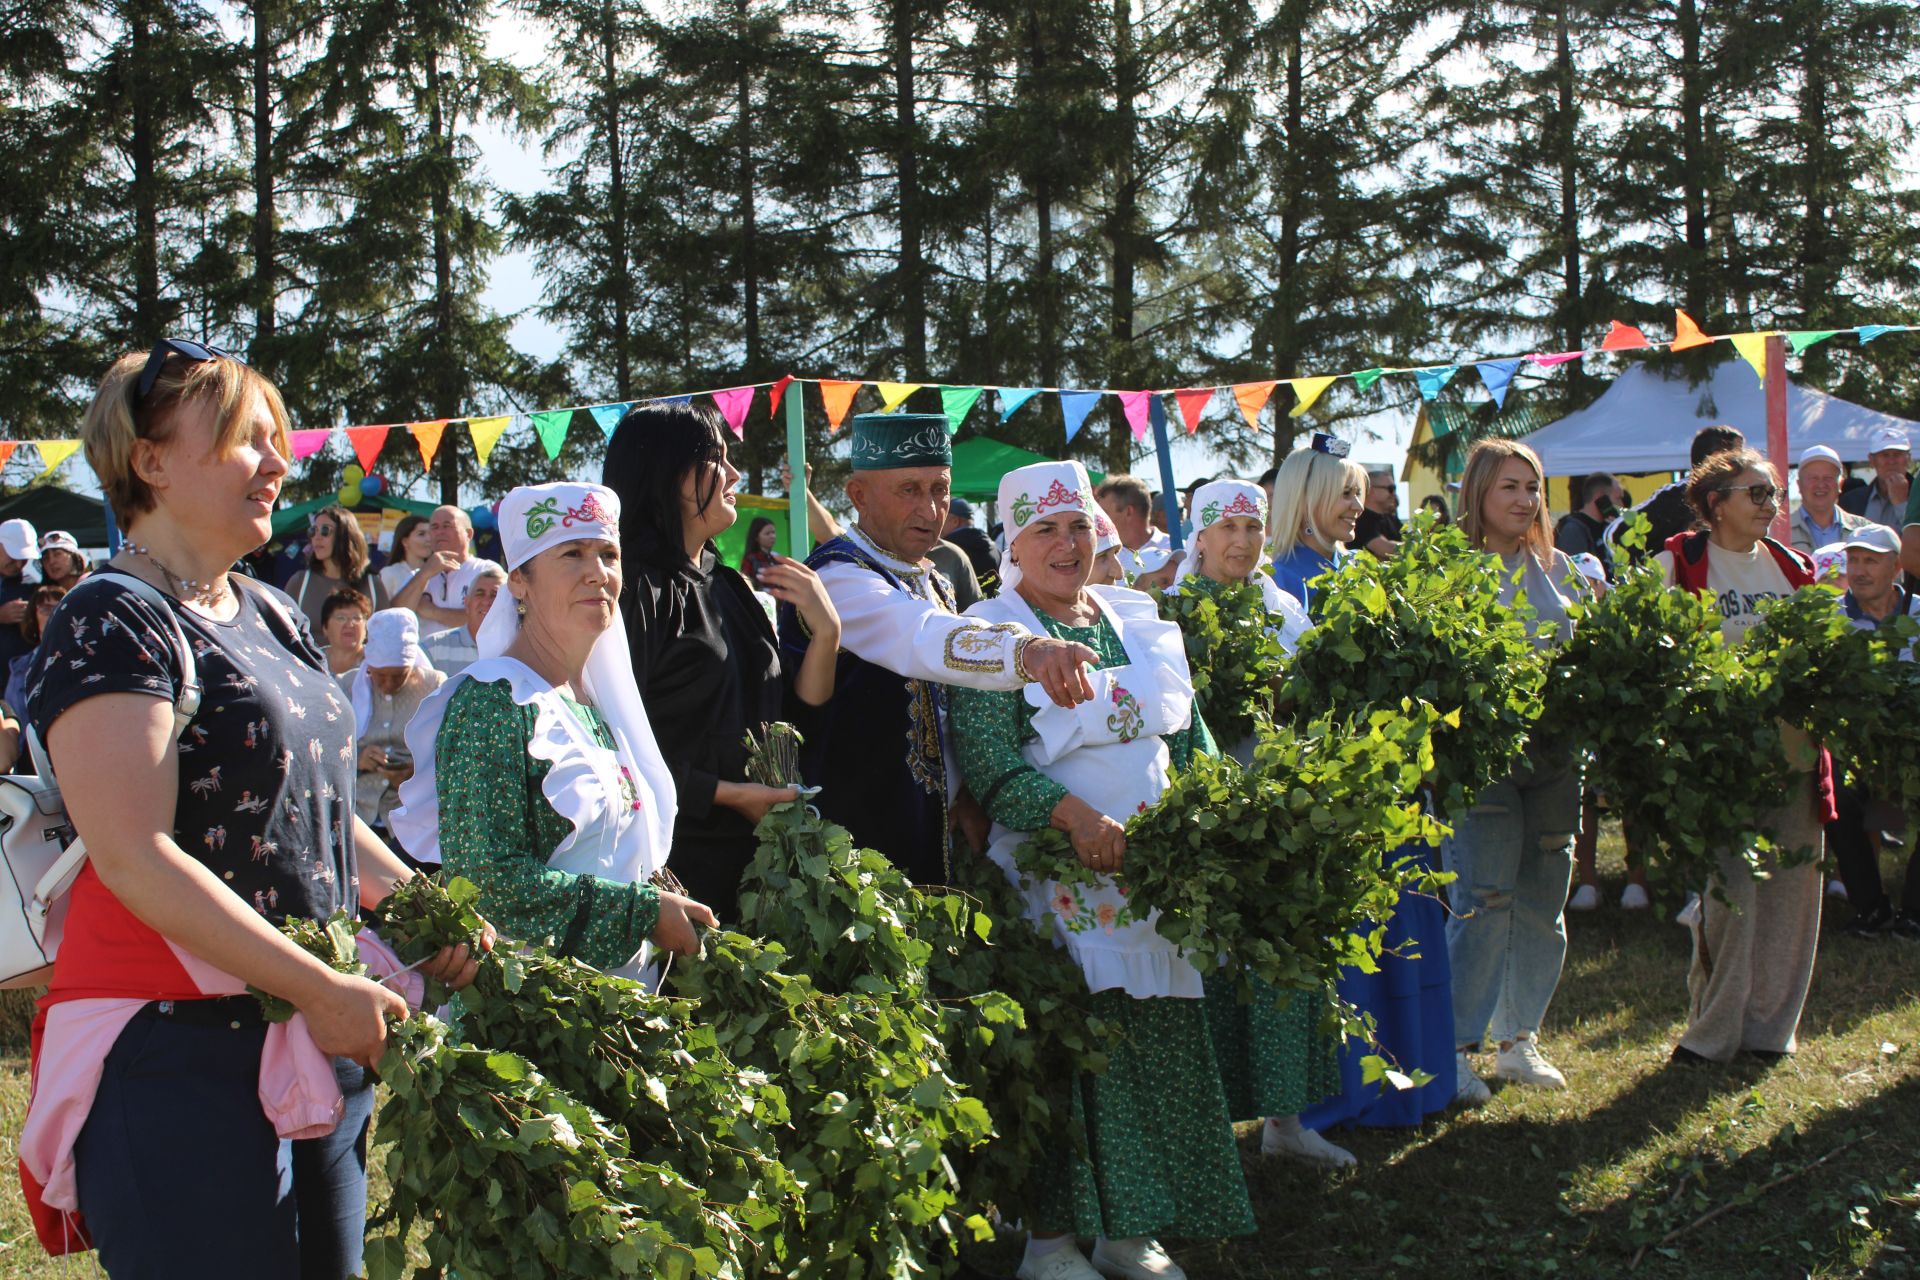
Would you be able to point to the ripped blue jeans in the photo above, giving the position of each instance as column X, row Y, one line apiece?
column 1513, row 859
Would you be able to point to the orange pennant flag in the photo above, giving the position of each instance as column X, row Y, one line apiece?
column 837, row 396
column 1252, row 397
column 1623, row 337
column 1686, row 333
column 366, row 443
column 6, row 450
column 427, row 436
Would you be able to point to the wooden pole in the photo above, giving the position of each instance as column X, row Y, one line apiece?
column 1776, row 393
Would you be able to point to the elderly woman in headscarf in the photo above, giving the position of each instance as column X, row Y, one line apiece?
column 539, row 778
column 1277, row 1063
column 1160, row 1157
column 394, row 679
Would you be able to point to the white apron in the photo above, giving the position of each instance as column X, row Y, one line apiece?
column 1107, row 752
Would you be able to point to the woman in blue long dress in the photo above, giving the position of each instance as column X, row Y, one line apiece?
column 1317, row 499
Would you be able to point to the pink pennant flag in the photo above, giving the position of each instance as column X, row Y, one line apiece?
column 307, row 443
column 366, row 443
column 734, row 403
column 1561, row 357
column 1193, row 402
column 1134, row 405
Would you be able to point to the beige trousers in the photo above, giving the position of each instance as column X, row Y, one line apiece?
column 1753, row 960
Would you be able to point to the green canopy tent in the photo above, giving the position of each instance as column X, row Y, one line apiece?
column 979, row 463
column 297, row 516
column 48, row 507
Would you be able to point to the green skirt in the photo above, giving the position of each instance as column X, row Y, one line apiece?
column 1274, row 1061
column 1161, row 1159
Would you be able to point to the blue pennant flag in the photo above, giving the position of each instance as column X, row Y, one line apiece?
column 1868, row 332
column 1431, row 380
column 607, row 417
column 1012, row 398
column 1074, row 408
column 1497, row 374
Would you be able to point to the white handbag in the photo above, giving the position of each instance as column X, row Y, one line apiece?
column 40, row 854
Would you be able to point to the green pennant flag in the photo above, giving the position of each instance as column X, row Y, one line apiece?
column 552, row 428
column 1801, row 339
column 1367, row 377
column 957, row 403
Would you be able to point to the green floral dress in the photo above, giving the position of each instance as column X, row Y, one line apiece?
column 1160, row 1157
column 1274, row 1058
column 498, row 830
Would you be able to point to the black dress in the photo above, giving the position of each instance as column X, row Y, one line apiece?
column 708, row 669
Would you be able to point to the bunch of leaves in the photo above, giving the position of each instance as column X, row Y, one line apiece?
column 331, row 941
column 1285, row 869
column 1427, row 624
column 1683, row 738
column 515, row 1176
column 1232, row 651
column 1845, row 685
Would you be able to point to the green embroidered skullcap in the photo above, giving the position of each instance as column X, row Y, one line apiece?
column 884, row 441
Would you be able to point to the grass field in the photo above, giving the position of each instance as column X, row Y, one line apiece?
column 1583, row 1182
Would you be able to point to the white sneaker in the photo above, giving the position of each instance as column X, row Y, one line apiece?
column 1061, row 1264
column 1140, row 1258
column 1837, row 889
column 1469, row 1090
column 1523, row 1064
column 1297, row 1142
column 1585, row 898
column 1634, row 898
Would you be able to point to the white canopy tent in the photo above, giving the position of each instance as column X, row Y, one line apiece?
column 1645, row 422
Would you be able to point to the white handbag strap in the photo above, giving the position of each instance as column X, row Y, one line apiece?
column 59, row 877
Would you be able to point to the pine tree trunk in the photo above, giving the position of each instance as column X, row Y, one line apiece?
column 749, row 226
column 446, row 381
column 1046, row 312
column 148, row 322
column 1286, row 302
column 617, row 207
column 1122, row 233
column 1697, row 287
column 264, row 228
column 1566, row 140
column 913, row 283
column 1815, row 252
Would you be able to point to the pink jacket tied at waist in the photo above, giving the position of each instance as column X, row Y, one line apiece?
column 298, row 1091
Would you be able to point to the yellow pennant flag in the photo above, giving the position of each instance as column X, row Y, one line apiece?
column 1753, row 349
column 486, row 434
column 54, row 452
column 892, row 393
column 427, row 436
column 1306, row 391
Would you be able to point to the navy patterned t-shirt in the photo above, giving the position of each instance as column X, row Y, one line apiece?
column 266, row 767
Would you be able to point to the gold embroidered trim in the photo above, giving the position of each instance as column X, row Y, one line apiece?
column 963, row 641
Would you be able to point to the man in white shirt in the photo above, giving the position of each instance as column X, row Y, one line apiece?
column 438, row 593
column 879, row 752
column 1819, row 521
column 1129, row 504
column 457, row 648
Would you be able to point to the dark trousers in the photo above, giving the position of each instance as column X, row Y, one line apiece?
column 181, row 1175
column 1859, row 860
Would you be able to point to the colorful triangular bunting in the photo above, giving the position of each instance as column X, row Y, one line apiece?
column 1367, row 377
column 551, row 427
column 1800, row 339
column 894, row 394
column 1686, row 334
column 1432, row 380
column 1074, row 408
column 6, row 451
column 607, row 417
column 957, row 403
column 1753, row 349
column 836, row 396
column 1193, row 402
column 486, row 433
column 1012, row 398
column 1498, row 375
column 55, row 452
column 1252, row 397
column 309, row 442
column 779, row 390
column 1868, row 332
column 1306, row 391
column 427, row 436
column 366, row 442
column 734, row 403
column 1134, row 405
column 1548, row 360
column 1623, row 337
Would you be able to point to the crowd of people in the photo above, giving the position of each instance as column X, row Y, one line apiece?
column 564, row 727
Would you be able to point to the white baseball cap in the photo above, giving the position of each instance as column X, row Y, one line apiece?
column 1873, row 537
column 1821, row 453
column 18, row 539
column 1590, row 567
column 59, row 539
column 1884, row 438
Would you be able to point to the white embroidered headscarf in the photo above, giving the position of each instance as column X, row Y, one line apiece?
column 393, row 640
column 1218, row 500
column 533, row 519
column 1034, row 492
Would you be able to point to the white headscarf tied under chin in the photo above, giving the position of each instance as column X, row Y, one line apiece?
column 1034, row 492
column 1218, row 500
column 393, row 640
column 534, row 519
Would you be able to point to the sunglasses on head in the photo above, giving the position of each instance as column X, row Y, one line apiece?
column 198, row 352
column 1760, row 494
